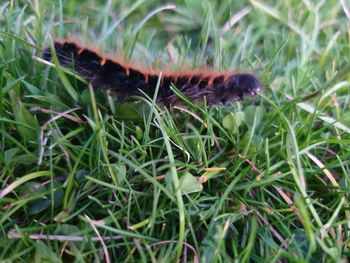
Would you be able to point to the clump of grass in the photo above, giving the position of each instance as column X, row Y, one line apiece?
column 85, row 178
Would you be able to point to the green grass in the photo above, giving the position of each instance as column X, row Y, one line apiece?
column 84, row 178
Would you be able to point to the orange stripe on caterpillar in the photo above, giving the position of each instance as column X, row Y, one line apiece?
column 127, row 79
column 103, row 61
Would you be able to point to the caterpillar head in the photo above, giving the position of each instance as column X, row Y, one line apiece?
column 237, row 86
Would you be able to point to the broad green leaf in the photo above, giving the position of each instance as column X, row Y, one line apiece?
column 233, row 121
column 66, row 229
column 189, row 183
column 126, row 111
column 44, row 253
column 23, row 116
column 254, row 112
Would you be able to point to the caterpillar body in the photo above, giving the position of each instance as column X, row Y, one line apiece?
column 129, row 80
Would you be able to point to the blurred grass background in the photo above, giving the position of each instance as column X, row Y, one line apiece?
column 84, row 178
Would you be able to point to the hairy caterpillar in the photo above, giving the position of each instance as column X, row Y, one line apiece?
column 127, row 80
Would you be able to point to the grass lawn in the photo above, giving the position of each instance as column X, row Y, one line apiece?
column 86, row 178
